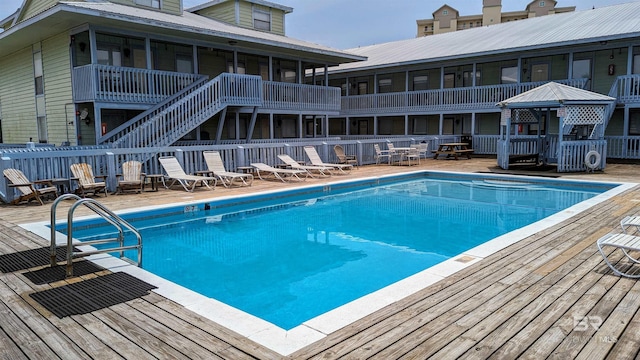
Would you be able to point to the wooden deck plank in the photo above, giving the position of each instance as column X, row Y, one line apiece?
column 72, row 335
column 44, row 329
column 197, row 332
column 243, row 348
column 613, row 325
column 166, row 335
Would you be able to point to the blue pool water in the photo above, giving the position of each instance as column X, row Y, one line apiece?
column 289, row 257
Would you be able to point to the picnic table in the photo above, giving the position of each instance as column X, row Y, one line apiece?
column 453, row 149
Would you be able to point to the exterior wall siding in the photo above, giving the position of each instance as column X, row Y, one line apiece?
column 17, row 95
column 57, row 88
column 34, row 7
column 277, row 21
column 246, row 14
column 224, row 12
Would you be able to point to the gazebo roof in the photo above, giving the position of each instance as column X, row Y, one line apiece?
column 553, row 94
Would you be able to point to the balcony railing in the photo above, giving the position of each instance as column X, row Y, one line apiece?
column 468, row 98
column 127, row 85
column 299, row 97
column 627, row 89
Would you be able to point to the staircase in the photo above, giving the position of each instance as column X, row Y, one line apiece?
column 174, row 118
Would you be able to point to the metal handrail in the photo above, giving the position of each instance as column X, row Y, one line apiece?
column 103, row 212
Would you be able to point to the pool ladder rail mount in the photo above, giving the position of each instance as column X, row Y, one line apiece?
column 108, row 216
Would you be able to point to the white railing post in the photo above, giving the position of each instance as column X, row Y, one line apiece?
column 112, row 178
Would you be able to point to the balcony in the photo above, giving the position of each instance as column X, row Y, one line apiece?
column 457, row 99
column 102, row 83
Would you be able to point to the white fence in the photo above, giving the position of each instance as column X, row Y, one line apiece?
column 54, row 163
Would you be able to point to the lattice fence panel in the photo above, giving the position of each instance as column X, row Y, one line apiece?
column 525, row 116
column 584, row 115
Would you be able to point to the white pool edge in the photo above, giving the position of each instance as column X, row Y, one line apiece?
column 286, row 342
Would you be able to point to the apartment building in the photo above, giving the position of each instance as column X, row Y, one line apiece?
column 447, row 19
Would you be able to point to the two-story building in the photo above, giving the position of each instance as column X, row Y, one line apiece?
column 147, row 73
column 449, row 84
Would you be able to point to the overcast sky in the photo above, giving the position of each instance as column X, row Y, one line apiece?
column 345, row 24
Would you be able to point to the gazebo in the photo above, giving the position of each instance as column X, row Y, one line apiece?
column 582, row 118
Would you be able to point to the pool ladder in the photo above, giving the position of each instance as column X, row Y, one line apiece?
column 107, row 215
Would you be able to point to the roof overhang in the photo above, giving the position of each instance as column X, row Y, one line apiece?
column 65, row 17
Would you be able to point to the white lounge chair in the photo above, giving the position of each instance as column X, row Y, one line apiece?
column 624, row 242
column 228, row 178
column 315, row 159
column 630, row 221
column 281, row 174
column 175, row 172
column 320, row 170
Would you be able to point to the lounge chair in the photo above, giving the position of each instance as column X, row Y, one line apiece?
column 131, row 178
column 227, row 178
column 29, row 190
column 343, row 158
column 175, row 172
column 83, row 174
column 320, row 170
column 624, row 242
column 381, row 154
column 281, row 174
column 317, row 161
column 630, row 221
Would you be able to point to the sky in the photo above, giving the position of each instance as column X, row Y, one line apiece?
column 346, row 24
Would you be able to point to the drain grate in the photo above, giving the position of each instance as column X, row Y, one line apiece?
column 57, row 273
column 93, row 294
column 27, row 259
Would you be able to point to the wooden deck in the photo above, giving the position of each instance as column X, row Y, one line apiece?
column 541, row 297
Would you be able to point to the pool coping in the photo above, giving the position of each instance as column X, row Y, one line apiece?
column 286, row 342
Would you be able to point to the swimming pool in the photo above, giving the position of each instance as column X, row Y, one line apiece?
column 486, row 206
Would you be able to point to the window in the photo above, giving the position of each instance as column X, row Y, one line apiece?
column 445, row 12
column 539, row 72
column 184, row 63
column 449, row 81
column 149, row 3
column 109, row 55
column 362, row 88
column 581, row 69
column 541, row 4
column 420, row 83
column 384, row 85
column 261, row 19
column 467, row 78
column 509, row 75
column 636, row 64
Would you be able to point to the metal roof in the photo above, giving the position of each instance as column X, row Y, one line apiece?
column 69, row 14
column 554, row 94
column 586, row 26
